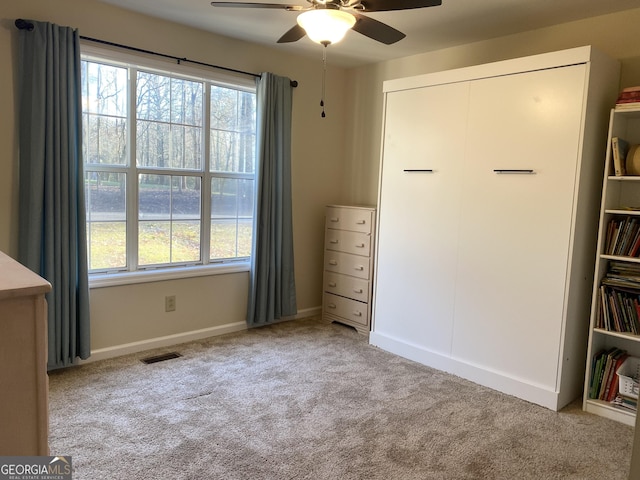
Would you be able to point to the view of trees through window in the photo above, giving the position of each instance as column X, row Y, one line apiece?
column 154, row 197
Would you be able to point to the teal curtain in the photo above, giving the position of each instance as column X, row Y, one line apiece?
column 272, row 289
column 52, row 238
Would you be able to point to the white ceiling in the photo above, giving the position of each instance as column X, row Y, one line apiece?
column 455, row 22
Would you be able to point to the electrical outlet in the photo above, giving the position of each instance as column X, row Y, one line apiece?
column 170, row 303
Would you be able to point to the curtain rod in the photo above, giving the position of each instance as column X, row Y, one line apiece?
column 25, row 25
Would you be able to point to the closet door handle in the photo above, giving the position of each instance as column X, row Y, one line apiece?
column 527, row 171
column 424, row 170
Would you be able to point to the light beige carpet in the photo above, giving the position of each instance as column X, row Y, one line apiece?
column 312, row 400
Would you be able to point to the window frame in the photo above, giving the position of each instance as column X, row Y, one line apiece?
column 133, row 273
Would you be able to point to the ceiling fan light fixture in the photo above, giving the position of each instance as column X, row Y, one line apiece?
column 326, row 25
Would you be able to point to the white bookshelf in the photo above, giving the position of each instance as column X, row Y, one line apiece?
column 620, row 195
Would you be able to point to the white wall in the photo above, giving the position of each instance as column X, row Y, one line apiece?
column 133, row 313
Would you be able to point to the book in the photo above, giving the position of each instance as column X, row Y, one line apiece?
column 613, row 387
column 610, row 372
column 629, row 95
column 596, row 370
column 620, row 148
column 628, row 105
column 605, row 373
column 626, row 402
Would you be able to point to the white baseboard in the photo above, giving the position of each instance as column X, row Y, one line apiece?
column 178, row 338
column 521, row 388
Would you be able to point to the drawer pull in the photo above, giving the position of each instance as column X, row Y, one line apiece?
column 331, row 305
column 360, row 268
column 333, row 241
column 334, row 219
column 426, row 170
column 333, row 262
column 361, row 222
column 528, row 171
column 357, row 290
column 360, row 245
column 357, row 314
column 333, row 284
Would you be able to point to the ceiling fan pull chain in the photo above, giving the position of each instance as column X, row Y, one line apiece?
column 324, row 76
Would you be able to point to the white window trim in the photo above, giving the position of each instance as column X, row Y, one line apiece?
column 100, row 280
column 91, row 52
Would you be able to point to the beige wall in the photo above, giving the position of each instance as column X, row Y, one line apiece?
column 614, row 34
column 134, row 313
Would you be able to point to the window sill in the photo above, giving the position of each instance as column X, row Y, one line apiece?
column 128, row 278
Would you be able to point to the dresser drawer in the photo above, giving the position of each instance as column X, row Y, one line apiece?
column 345, row 241
column 346, row 308
column 346, row 286
column 353, row 219
column 346, row 263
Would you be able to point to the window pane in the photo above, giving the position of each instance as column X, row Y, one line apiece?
column 169, row 133
column 153, row 98
column 104, row 140
column 186, row 149
column 169, row 219
column 104, row 105
column 152, row 144
column 104, row 89
column 231, row 217
column 186, row 102
column 154, row 245
column 185, row 208
column 232, row 131
column 105, row 196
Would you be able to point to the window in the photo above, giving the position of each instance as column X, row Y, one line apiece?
column 169, row 166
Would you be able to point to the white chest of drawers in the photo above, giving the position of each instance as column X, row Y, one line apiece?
column 348, row 265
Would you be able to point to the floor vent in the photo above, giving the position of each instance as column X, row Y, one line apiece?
column 160, row 358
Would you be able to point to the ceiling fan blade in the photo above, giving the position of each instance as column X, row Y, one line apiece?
column 388, row 5
column 292, row 35
column 376, row 30
column 279, row 6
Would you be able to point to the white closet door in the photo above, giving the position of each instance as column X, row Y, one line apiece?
column 516, row 227
column 419, row 210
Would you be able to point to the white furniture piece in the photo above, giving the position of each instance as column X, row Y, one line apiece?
column 24, row 408
column 348, row 265
column 620, row 199
column 489, row 185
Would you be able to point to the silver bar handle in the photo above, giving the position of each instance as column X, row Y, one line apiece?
column 526, row 171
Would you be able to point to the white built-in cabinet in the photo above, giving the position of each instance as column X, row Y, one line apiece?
column 487, row 217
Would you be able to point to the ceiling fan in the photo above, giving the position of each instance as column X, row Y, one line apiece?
column 327, row 21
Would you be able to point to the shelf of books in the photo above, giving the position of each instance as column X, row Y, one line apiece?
column 613, row 358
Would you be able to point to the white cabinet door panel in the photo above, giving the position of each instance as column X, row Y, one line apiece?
column 516, row 228
column 419, row 210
